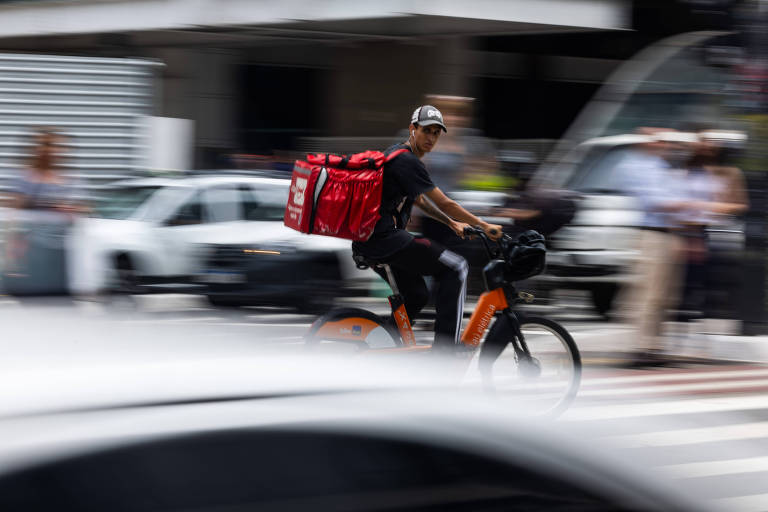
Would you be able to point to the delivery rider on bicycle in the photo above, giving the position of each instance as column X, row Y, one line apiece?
column 407, row 183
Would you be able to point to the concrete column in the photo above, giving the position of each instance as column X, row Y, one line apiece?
column 199, row 84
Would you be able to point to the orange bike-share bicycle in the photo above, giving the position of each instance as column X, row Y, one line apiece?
column 529, row 357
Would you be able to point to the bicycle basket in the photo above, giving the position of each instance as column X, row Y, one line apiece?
column 525, row 257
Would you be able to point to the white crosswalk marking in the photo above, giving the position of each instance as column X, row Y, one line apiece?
column 756, row 430
column 715, row 468
column 711, row 375
column 704, row 427
column 698, row 386
column 691, row 406
column 751, row 503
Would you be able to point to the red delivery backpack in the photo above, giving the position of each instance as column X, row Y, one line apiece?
column 337, row 195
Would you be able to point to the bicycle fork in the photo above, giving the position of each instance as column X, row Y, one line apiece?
column 505, row 330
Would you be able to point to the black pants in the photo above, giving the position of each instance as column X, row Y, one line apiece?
column 424, row 257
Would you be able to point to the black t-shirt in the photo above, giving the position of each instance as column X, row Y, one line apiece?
column 405, row 179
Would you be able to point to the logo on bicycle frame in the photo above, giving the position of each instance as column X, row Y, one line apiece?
column 484, row 321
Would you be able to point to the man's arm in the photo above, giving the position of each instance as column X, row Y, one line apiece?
column 454, row 211
column 431, row 210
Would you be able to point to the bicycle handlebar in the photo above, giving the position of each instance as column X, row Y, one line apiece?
column 473, row 230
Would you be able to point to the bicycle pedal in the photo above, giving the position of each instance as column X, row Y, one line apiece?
column 527, row 297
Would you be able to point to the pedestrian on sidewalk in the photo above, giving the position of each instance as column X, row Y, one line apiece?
column 45, row 203
column 653, row 175
column 719, row 196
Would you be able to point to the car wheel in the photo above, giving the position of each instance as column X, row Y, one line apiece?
column 126, row 281
column 603, row 296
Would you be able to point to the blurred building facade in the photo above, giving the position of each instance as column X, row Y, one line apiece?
column 256, row 75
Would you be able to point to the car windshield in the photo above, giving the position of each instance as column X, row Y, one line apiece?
column 597, row 172
column 265, row 202
column 121, row 202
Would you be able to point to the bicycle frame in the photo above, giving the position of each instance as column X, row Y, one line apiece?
column 489, row 305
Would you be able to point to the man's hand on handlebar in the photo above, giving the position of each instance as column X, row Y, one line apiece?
column 492, row 231
column 460, row 228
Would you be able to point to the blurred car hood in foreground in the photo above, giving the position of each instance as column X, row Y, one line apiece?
column 79, row 387
column 51, row 415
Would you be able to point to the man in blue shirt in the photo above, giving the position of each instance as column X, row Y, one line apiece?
column 662, row 195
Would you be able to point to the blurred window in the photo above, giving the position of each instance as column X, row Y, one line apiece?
column 164, row 203
column 596, row 172
column 223, row 204
column 264, row 202
column 121, row 202
column 191, row 212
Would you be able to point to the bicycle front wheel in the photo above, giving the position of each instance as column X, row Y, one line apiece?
column 544, row 378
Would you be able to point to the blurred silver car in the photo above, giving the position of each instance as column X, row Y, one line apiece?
column 290, row 434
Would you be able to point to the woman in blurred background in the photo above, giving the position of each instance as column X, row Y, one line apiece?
column 45, row 203
column 719, row 196
column 41, row 186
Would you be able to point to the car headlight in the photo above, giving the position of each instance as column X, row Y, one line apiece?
column 271, row 248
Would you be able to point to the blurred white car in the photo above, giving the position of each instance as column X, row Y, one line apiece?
column 158, row 231
column 298, row 433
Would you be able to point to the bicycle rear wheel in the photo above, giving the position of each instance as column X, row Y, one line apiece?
column 544, row 381
column 345, row 330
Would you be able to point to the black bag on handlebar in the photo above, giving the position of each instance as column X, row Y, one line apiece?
column 525, row 257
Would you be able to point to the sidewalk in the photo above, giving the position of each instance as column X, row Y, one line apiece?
column 603, row 345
